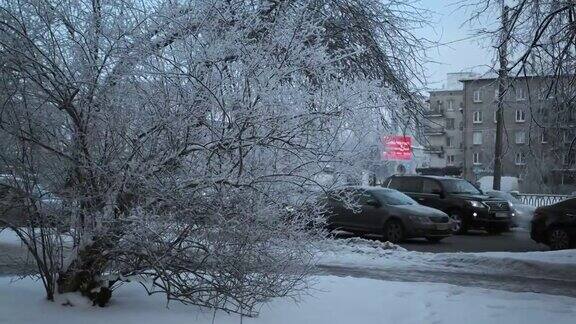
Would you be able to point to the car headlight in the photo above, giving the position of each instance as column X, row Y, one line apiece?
column 476, row 204
column 420, row 219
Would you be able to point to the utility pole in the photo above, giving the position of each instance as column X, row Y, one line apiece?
column 502, row 86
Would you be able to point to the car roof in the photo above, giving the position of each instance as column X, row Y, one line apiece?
column 365, row 188
column 426, row 176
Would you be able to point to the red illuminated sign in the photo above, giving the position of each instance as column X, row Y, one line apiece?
column 397, row 148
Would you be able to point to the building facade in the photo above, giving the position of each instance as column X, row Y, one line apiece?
column 444, row 123
column 538, row 128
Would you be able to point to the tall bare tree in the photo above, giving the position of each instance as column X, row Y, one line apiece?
column 542, row 42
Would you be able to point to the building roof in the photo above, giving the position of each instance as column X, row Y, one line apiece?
column 493, row 76
column 453, row 82
column 425, row 176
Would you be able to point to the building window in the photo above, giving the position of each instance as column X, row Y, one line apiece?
column 449, row 123
column 450, row 105
column 520, row 137
column 477, row 97
column 477, row 138
column 520, row 94
column 449, row 142
column 450, row 159
column 476, row 158
column 544, row 137
column 477, row 117
column 520, row 158
column 520, row 116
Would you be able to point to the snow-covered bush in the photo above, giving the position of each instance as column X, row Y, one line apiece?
column 186, row 139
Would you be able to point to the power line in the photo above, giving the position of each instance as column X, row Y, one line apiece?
column 453, row 41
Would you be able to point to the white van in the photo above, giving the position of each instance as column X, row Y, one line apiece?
column 507, row 184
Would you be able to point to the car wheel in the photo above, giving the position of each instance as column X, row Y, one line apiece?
column 393, row 231
column 558, row 239
column 460, row 226
column 434, row 239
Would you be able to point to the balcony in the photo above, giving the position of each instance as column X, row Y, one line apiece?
column 434, row 113
column 434, row 131
column 434, row 149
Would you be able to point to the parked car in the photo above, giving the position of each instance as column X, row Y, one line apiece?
column 521, row 213
column 555, row 225
column 387, row 212
column 19, row 199
column 466, row 204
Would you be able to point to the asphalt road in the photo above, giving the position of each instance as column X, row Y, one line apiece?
column 479, row 241
column 475, row 241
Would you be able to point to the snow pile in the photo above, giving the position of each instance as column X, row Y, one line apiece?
column 360, row 253
column 362, row 245
column 534, row 265
column 335, row 300
column 565, row 257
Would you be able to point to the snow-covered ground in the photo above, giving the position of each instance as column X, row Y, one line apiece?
column 340, row 299
column 334, row 300
column 358, row 252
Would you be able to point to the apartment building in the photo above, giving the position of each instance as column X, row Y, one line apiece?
column 444, row 124
column 539, row 126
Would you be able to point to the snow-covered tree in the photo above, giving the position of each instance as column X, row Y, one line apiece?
column 185, row 139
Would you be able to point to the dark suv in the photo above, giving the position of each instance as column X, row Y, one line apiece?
column 555, row 225
column 465, row 203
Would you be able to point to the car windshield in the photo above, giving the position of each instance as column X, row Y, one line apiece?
column 459, row 186
column 393, row 198
column 504, row 195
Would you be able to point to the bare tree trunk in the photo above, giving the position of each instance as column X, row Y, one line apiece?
column 502, row 88
column 84, row 272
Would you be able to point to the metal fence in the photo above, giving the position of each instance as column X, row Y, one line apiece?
column 540, row 199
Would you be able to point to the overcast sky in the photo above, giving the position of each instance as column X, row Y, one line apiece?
column 465, row 52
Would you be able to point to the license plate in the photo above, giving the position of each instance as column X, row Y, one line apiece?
column 443, row 227
column 501, row 215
